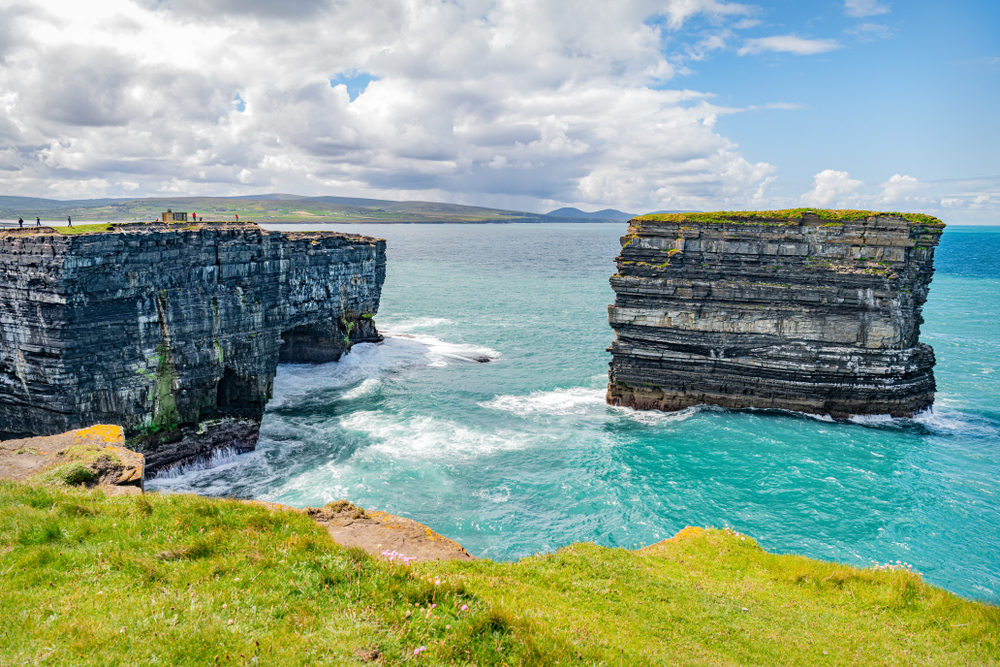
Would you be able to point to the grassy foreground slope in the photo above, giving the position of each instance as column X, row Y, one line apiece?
column 176, row 580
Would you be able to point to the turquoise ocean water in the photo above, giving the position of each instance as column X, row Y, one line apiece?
column 522, row 455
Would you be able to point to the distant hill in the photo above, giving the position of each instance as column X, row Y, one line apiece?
column 278, row 208
column 605, row 214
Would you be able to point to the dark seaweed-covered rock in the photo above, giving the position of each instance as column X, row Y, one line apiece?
column 173, row 332
column 816, row 312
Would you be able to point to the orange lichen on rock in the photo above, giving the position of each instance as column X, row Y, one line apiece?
column 102, row 432
column 688, row 531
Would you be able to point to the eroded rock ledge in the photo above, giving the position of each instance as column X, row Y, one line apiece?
column 812, row 311
column 173, row 332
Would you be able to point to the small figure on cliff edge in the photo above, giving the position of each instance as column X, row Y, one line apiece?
column 38, row 222
column 69, row 219
column 20, row 222
column 237, row 217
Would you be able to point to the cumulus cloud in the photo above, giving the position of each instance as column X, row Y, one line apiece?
column 833, row 189
column 788, row 44
column 869, row 32
column 958, row 201
column 862, row 8
column 902, row 189
column 499, row 102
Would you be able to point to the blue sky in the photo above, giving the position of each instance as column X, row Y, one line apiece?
column 917, row 93
column 528, row 104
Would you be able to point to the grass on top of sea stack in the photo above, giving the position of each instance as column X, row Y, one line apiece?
column 788, row 216
column 176, row 580
column 84, row 229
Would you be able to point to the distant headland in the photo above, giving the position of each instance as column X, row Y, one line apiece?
column 285, row 208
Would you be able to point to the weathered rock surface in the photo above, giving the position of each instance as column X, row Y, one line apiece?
column 782, row 311
column 173, row 332
column 100, row 449
column 377, row 532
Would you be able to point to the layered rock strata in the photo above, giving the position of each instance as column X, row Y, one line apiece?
column 812, row 311
column 173, row 332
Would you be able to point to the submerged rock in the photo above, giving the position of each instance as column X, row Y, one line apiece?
column 812, row 311
column 173, row 332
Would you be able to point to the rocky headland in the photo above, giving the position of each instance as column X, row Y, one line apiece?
column 808, row 310
column 173, row 332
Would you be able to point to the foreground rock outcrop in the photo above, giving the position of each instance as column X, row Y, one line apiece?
column 813, row 311
column 94, row 456
column 173, row 332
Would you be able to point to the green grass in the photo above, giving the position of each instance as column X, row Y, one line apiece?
column 84, row 229
column 787, row 216
column 91, row 580
column 223, row 209
column 66, row 474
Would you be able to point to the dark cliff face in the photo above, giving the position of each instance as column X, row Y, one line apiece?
column 818, row 315
column 173, row 332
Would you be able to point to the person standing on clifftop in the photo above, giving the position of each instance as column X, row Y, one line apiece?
column 20, row 222
column 38, row 222
column 69, row 219
column 237, row 217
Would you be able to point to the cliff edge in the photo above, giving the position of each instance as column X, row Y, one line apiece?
column 173, row 332
column 808, row 310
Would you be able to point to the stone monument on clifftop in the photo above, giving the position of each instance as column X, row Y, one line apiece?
column 812, row 311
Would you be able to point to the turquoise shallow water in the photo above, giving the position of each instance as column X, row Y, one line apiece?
column 522, row 455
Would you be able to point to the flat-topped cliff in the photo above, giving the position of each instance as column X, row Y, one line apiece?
column 173, row 332
column 813, row 311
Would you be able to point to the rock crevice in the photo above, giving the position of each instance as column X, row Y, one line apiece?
column 815, row 312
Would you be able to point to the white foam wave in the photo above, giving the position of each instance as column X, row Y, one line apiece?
column 328, row 482
column 366, row 388
column 501, row 495
column 294, row 383
column 438, row 352
column 869, row 420
column 218, row 458
column 422, row 437
column 573, row 401
column 418, row 323
column 655, row 417
column 946, row 420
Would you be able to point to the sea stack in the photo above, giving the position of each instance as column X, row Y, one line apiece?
column 814, row 311
column 173, row 332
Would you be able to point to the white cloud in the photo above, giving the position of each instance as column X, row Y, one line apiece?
column 965, row 201
column 869, row 32
column 788, row 44
column 681, row 10
column 862, row 8
column 901, row 189
column 833, row 189
column 513, row 103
